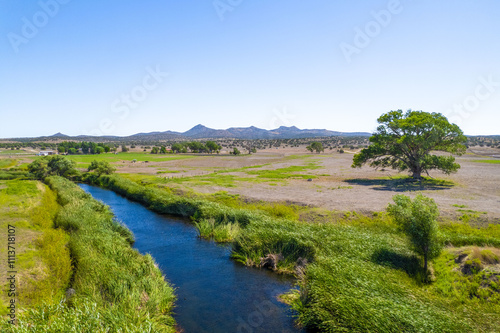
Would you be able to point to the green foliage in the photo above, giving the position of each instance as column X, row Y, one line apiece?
column 220, row 232
column 212, row 146
column 177, row 147
column 154, row 150
column 72, row 147
column 8, row 174
column 469, row 281
column 355, row 274
column 43, row 260
column 101, row 168
column 126, row 290
column 462, row 234
column 315, row 146
column 197, row 147
column 404, row 142
column 52, row 166
column 7, row 163
column 418, row 219
column 236, row 151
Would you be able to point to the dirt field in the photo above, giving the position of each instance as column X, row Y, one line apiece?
column 323, row 180
column 474, row 190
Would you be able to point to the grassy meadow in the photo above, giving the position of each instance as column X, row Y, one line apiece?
column 356, row 273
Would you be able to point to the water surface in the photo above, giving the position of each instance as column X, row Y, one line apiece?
column 215, row 294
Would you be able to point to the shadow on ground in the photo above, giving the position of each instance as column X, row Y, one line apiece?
column 403, row 184
column 389, row 258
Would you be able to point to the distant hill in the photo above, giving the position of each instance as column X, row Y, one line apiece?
column 283, row 132
column 203, row 132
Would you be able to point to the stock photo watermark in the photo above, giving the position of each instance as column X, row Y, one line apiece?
column 486, row 87
column 32, row 26
column 281, row 117
column 222, row 7
column 122, row 106
column 257, row 317
column 363, row 36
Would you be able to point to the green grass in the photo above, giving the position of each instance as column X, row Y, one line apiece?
column 222, row 233
column 117, row 289
column 274, row 209
column 355, row 274
column 290, row 172
column 479, row 285
column 487, row 161
column 163, row 171
column 459, row 206
column 140, row 157
column 43, row 260
column 7, row 163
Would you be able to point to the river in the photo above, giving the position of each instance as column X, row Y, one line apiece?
column 215, row 294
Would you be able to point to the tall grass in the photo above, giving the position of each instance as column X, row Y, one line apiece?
column 358, row 274
column 221, row 233
column 43, row 262
column 116, row 288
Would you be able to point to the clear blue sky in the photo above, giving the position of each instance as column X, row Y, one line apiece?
column 84, row 67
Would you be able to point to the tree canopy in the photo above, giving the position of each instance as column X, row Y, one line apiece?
column 54, row 165
column 418, row 219
column 404, row 141
column 101, row 168
column 315, row 146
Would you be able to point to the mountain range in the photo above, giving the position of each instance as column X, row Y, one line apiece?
column 203, row 132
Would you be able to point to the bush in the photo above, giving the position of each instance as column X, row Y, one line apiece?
column 418, row 219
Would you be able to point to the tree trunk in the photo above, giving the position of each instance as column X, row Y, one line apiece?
column 425, row 263
column 417, row 173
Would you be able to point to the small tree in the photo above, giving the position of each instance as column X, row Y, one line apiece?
column 404, row 141
column 163, row 150
column 212, row 146
column 154, row 150
column 101, row 168
column 177, row 147
column 236, row 151
column 124, row 149
column 418, row 220
column 315, row 146
column 39, row 168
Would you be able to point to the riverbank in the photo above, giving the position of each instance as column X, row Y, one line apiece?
column 112, row 287
column 214, row 293
column 357, row 274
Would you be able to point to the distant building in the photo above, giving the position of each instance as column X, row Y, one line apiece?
column 46, row 153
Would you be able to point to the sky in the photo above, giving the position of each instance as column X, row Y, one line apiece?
column 124, row 67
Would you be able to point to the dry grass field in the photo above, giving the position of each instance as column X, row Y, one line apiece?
column 327, row 180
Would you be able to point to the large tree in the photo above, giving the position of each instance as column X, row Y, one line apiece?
column 404, row 141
